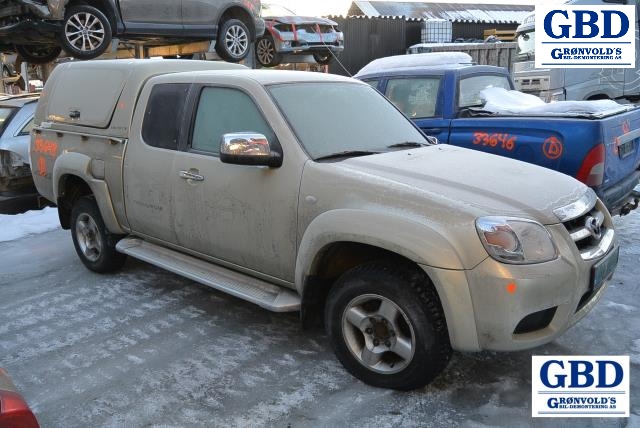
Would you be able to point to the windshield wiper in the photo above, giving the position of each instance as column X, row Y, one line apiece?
column 407, row 144
column 347, row 154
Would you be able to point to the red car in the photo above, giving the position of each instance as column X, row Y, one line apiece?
column 14, row 411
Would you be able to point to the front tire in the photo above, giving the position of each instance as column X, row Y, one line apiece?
column 387, row 326
column 35, row 54
column 233, row 40
column 86, row 32
column 266, row 52
column 95, row 246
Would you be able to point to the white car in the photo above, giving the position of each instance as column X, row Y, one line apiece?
column 16, row 121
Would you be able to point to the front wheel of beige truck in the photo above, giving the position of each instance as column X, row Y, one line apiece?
column 387, row 326
column 95, row 246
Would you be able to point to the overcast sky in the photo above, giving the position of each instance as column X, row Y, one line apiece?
column 340, row 7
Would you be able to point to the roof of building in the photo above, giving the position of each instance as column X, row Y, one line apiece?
column 454, row 12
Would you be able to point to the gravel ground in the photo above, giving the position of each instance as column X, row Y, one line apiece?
column 144, row 347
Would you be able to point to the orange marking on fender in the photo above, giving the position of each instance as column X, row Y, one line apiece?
column 42, row 166
column 47, row 147
column 512, row 288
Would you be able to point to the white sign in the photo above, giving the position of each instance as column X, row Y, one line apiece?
column 580, row 386
column 587, row 36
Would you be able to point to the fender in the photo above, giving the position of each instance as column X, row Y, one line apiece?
column 79, row 165
column 416, row 241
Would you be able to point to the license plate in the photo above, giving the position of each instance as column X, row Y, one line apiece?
column 602, row 270
column 626, row 149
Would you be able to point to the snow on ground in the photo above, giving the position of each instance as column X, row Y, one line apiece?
column 17, row 226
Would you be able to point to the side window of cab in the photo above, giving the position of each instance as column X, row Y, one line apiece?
column 222, row 111
column 416, row 97
column 164, row 115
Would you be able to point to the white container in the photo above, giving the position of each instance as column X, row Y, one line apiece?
column 436, row 31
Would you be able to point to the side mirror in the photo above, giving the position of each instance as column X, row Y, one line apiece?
column 248, row 148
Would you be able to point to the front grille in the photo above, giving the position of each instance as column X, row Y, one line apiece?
column 590, row 232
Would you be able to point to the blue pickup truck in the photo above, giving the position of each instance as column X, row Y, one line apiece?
column 443, row 99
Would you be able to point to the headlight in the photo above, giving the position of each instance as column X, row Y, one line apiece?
column 557, row 96
column 516, row 240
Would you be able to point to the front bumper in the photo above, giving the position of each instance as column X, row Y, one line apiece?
column 302, row 46
column 501, row 307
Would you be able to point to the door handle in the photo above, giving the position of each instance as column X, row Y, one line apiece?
column 191, row 176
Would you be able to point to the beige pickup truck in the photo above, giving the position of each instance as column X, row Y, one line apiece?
column 312, row 193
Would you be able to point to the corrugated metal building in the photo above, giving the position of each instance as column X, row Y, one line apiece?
column 375, row 29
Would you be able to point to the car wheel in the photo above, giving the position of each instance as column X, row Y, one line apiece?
column 95, row 246
column 387, row 326
column 86, row 32
column 266, row 52
column 233, row 40
column 323, row 58
column 34, row 54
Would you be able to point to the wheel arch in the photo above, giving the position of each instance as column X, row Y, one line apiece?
column 337, row 241
column 105, row 6
column 72, row 179
column 243, row 15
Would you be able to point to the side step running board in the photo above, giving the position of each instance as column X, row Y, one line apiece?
column 254, row 290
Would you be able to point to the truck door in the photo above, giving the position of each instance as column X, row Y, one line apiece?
column 417, row 98
column 152, row 16
column 202, row 16
column 239, row 215
column 149, row 160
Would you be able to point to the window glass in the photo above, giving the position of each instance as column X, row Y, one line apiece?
column 470, row 88
column 372, row 83
column 330, row 118
column 162, row 119
column 27, row 128
column 415, row 97
column 223, row 111
column 5, row 114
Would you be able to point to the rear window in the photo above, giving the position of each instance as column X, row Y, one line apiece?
column 470, row 87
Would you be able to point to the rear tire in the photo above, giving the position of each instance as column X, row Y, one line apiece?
column 387, row 326
column 95, row 246
column 234, row 40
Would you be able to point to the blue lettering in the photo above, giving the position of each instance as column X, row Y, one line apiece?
column 552, row 403
column 576, row 373
column 549, row 30
column 624, row 24
column 591, row 23
column 602, row 374
column 544, row 375
column 556, row 53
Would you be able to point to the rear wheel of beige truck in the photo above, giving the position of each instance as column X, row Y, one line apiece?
column 95, row 246
column 387, row 326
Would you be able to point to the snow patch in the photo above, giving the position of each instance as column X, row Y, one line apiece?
column 502, row 101
column 13, row 227
column 399, row 62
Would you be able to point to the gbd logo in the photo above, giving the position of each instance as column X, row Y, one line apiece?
column 580, row 386
column 585, row 36
column 581, row 374
column 586, row 24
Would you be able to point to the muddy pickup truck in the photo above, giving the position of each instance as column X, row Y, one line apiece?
column 404, row 249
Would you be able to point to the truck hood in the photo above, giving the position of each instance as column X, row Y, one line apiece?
column 478, row 183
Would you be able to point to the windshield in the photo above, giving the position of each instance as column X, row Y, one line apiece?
column 275, row 10
column 343, row 117
column 5, row 115
column 526, row 42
